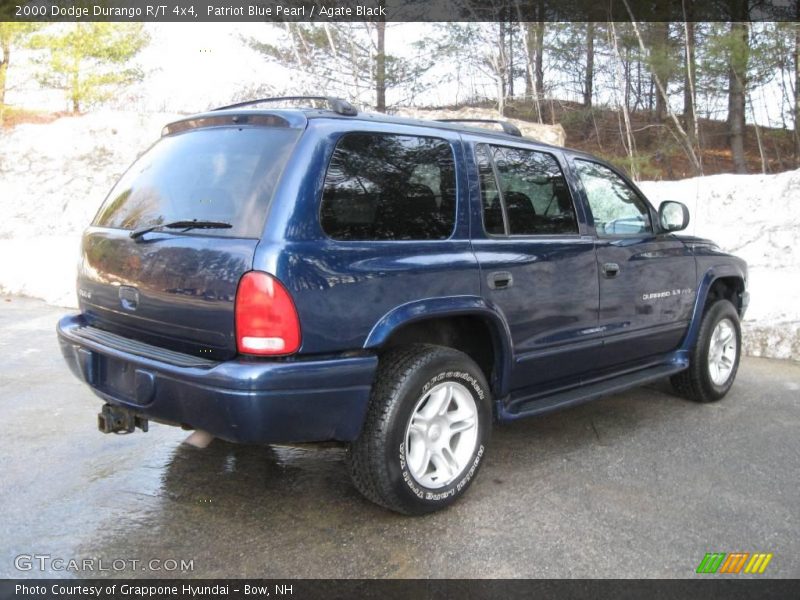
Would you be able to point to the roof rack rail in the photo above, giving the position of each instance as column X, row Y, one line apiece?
column 508, row 128
column 337, row 105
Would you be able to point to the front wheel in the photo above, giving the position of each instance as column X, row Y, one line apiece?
column 426, row 430
column 715, row 358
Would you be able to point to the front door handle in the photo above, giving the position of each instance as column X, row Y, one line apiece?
column 610, row 269
column 500, row 280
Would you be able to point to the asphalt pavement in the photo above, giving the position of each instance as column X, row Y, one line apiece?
column 641, row 484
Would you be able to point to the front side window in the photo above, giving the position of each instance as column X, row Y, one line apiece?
column 389, row 187
column 533, row 193
column 617, row 209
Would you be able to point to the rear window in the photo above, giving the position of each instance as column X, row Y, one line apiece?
column 389, row 187
column 225, row 174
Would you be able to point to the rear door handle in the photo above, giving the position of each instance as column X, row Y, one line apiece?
column 500, row 280
column 610, row 269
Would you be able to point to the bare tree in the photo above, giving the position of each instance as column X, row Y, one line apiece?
column 629, row 141
column 797, row 89
column 588, row 83
column 380, row 67
column 689, row 67
column 682, row 136
column 737, row 92
column 534, row 64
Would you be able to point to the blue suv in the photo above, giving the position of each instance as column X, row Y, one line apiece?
column 309, row 274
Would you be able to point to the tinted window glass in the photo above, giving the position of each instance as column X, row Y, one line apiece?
column 216, row 174
column 535, row 194
column 616, row 208
column 389, row 187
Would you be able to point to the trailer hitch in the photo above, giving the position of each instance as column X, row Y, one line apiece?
column 115, row 419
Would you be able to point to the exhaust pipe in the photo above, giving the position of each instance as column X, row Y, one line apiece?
column 115, row 419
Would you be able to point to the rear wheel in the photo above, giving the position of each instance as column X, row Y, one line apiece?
column 715, row 358
column 426, row 430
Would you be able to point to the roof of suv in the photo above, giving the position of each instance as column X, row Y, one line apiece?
column 296, row 116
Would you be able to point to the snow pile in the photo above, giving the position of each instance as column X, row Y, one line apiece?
column 756, row 217
column 53, row 178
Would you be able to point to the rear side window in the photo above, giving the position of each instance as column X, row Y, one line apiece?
column 533, row 192
column 222, row 174
column 389, row 187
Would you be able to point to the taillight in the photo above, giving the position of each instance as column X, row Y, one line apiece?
column 266, row 319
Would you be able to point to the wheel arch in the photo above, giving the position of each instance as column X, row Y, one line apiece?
column 725, row 281
column 465, row 323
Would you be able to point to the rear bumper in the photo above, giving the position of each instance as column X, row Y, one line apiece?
column 238, row 400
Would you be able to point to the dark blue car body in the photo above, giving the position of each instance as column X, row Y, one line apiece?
column 155, row 331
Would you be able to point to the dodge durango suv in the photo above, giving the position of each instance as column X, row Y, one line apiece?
column 274, row 274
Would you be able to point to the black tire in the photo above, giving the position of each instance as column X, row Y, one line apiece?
column 378, row 460
column 696, row 382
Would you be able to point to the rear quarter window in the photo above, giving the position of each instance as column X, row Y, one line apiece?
column 389, row 187
column 225, row 174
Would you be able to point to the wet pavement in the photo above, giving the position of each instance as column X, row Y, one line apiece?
column 641, row 484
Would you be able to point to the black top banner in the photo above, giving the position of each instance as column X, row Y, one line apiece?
column 399, row 10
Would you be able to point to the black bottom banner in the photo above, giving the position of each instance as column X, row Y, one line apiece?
column 312, row 589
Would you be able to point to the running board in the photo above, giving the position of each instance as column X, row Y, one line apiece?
column 541, row 404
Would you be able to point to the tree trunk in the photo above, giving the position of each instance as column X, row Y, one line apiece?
column 534, row 73
column 510, row 59
column 530, row 51
column 737, row 92
column 589, row 79
column 797, row 90
column 74, row 96
column 630, row 146
column 380, row 68
column 539, row 64
column 502, row 68
column 689, row 116
column 661, row 47
column 627, row 73
column 6, row 49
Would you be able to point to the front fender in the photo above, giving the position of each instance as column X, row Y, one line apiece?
column 713, row 273
column 454, row 306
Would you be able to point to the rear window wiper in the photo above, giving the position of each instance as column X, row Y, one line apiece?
column 183, row 225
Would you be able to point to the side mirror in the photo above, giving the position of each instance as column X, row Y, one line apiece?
column 674, row 216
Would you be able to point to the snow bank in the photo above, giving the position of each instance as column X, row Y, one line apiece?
column 53, row 178
column 756, row 217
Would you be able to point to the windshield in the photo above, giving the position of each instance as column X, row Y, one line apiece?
column 224, row 174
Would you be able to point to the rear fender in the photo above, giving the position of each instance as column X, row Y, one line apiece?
column 433, row 308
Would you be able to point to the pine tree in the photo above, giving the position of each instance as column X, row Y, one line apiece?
column 12, row 36
column 89, row 61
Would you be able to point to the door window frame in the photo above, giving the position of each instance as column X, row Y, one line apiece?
column 652, row 231
column 522, row 236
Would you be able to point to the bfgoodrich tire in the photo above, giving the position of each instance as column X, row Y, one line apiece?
column 426, row 430
column 715, row 358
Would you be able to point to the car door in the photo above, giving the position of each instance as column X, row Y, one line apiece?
column 646, row 277
column 538, row 268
